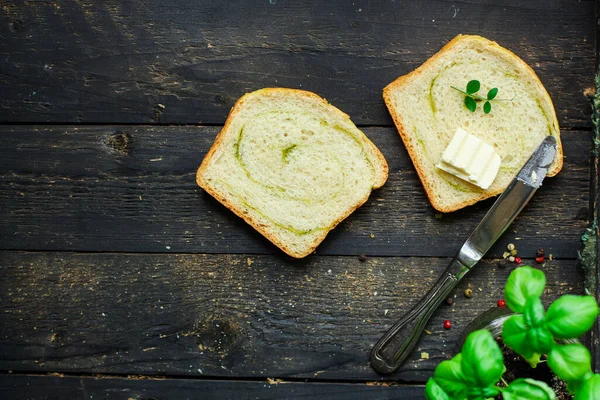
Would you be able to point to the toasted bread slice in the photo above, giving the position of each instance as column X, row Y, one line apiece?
column 292, row 166
column 427, row 111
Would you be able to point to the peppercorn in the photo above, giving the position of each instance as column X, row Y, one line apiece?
column 468, row 292
column 539, row 260
column 511, row 259
column 501, row 303
column 447, row 324
column 513, row 252
column 518, row 260
column 540, row 253
column 362, row 257
column 510, row 247
column 502, row 264
column 449, row 300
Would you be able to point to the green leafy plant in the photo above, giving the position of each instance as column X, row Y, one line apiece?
column 474, row 373
column 471, row 98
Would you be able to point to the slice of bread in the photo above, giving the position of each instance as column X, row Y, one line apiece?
column 427, row 111
column 292, row 166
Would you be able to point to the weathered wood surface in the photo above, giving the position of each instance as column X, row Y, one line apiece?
column 595, row 193
column 183, row 61
column 102, row 207
column 132, row 189
column 32, row 387
column 232, row 316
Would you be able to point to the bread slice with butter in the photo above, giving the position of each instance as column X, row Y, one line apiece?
column 292, row 166
column 427, row 111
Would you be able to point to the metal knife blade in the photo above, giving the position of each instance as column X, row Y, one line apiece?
column 395, row 346
column 509, row 204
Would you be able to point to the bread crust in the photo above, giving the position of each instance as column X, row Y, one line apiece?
column 414, row 153
column 265, row 230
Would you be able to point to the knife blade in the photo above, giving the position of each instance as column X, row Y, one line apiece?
column 396, row 344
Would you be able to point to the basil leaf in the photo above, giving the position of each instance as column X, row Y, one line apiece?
column 492, row 93
column 571, row 316
column 482, row 359
column 570, row 362
column 589, row 389
column 534, row 311
column 514, row 335
column 470, row 103
column 490, row 392
column 473, row 86
column 482, row 393
column 528, row 389
column 540, row 340
column 433, row 391
column 575, row 386
column 522, row 283
column 449, row 376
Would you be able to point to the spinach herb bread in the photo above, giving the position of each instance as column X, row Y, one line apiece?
column 292, row 166
column 427, row 109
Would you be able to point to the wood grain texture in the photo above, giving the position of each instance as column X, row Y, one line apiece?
column 595, row 192
column 90, row 215
column 232, row 316
column 150, row 61
column 593, row 264
column 33, row 387
column 132, row 189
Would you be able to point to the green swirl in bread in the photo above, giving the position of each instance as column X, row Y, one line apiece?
column 292, row 166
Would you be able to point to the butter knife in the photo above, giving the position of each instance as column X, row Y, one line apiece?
column 395, row 346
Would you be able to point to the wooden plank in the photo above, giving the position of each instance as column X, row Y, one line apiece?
column 33, row 387
column 232, row 316
column 132, row 189
column 184, row 62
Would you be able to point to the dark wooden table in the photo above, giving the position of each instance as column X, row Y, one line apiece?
column 120, row 278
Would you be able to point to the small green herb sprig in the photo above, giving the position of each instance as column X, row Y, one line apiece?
column 471, row 98
column 474, row 373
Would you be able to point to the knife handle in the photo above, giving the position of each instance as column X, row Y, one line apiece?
column 395, row 346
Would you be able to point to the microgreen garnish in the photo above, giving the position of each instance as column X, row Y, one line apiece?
column 471, row 98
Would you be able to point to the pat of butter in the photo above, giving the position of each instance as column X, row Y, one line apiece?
column 470, row 159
